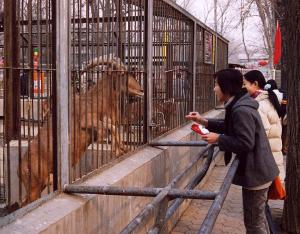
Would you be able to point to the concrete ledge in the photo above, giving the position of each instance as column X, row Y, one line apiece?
column 149, row 167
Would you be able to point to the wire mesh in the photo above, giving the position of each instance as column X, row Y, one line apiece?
column 26, row 74
column 172, row 67
column 107, row 67
column 204, row 96
column 222, row 55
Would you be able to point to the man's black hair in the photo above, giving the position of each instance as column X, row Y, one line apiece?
column 230, row 81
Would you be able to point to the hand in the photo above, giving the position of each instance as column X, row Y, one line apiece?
column 195, row 116
column 211, row 138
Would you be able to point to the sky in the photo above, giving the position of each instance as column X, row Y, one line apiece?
column 203, row 10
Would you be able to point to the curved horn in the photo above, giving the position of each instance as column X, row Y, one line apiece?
column 114, row 62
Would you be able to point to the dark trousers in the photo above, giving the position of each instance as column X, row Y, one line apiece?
column 254, row 203
column 284, row 138
column 272, row 225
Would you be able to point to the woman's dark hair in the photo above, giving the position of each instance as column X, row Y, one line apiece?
column 230, row 81
column 282, row 106
column 257, row 76
column 273, row 84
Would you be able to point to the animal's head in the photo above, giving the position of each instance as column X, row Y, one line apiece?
column 132, row 88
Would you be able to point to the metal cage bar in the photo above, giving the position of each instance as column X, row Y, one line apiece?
column 144, row 192
column 108, row 76
column 62, row 93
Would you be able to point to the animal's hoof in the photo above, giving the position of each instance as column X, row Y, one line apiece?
column 119, row 152
column 124, row 150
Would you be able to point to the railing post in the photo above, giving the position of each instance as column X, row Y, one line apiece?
column 194, row 64
column 62, row 97
column 149, row 64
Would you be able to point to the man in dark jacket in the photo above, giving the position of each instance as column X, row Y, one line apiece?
column 242, row 133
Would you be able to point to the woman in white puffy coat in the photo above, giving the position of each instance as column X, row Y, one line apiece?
column 270, row 111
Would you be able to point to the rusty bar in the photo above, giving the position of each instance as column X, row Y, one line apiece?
column 30, row 84
column 12, row 126
column 53, row 94
column 38, row 72
column 143, row 192
column 162, row 209
column 214, row 210
column 194, row 65
column 148, row 87
column 192, row 184
column 88, row 79
column 22, row 107
column 11, row 75
column 178, row 143
column 157, row 200
column 200, row 155
column 62, row 52
column 140, row 219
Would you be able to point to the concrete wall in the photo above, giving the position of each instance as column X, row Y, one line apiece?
column 149, row 167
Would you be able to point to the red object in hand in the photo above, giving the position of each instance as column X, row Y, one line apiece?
column 200, row 129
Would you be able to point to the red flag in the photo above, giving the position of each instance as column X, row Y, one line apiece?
column 277, row 45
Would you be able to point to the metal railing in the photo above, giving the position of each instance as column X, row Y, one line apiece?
column 162, row 196
column 211, row 217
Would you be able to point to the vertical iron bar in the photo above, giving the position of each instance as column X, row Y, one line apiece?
column 11, row 74
column 62, row 39
column 12, row 125
column 53, row 94
column 216, row 43
column 38, row 73
column 48, row 66
column 21, row 100
column 148, row 58
column 79, row 62
column 195, row 51
column 96, row 6
column 194, row 182
column 161, row 215
column 74, row 85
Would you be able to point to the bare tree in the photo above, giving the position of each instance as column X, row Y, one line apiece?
column 235, row 49
column 226, row 18
column 245, row 14
column 291, row 71
column 227, row 23
column 185, row 4
column 266, row 13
